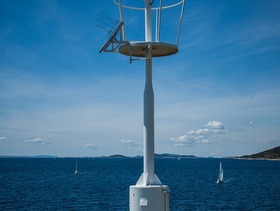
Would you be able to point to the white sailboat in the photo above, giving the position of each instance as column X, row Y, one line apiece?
column 221, row 174
column 76, row 171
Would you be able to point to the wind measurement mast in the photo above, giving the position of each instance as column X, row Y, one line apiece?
column 148, row 194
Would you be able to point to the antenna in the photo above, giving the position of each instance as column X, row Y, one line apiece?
column 148, row 194
column 104, row 22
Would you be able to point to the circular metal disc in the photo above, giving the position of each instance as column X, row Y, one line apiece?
column 140, row 49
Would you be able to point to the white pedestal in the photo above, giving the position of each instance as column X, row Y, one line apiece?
column 149, row 198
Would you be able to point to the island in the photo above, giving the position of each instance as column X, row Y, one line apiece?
column 271, row 154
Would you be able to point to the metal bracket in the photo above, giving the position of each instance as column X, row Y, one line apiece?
column 113, row 41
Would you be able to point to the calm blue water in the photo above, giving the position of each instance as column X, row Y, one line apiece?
column 48, row 184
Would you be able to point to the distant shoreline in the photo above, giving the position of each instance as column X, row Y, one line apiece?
column 271, row 155
column 130, row 157
column 276, row 159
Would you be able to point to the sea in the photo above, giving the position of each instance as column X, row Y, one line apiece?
column 103, row 183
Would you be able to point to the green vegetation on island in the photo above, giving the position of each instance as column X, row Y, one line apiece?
column 271, row 154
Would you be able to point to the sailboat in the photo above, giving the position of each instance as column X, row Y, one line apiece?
column 221, row 174
column 76, row 171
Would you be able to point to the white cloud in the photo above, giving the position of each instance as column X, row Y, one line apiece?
column 3, row 138
column 37, row 140
column 92, row 146
column 201, row 135
column 215, row 127
column 130, row 143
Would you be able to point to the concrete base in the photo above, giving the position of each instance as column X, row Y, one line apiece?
column 149, row 198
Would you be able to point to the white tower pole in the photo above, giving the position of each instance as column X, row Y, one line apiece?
column 148, row 177
column 148, row 102
column 148, row 194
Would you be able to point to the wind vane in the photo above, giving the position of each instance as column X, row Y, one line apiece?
column 148, row 194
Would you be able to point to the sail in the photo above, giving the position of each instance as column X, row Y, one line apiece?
column 76, row 171
column 221, row 173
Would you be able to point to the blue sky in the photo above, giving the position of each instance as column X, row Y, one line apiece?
column 219, row 96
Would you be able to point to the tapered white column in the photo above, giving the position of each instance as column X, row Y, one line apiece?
column 148, row 130
column 148, row 194
column 148, row 177
column 148, row 133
